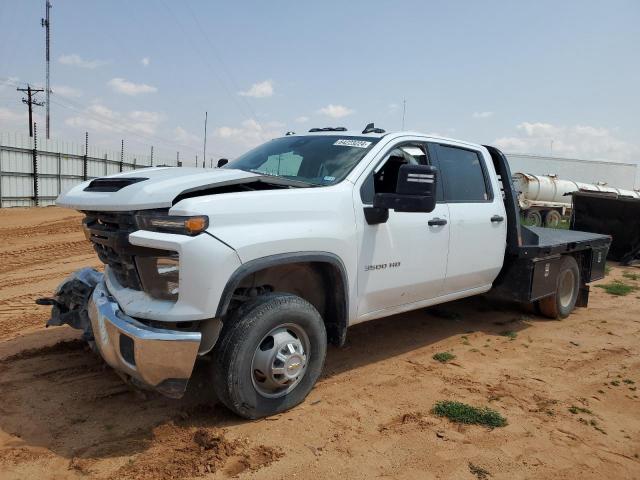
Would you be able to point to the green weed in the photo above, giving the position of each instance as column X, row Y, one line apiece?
column 462, row 413
column 444, row 357
column 617, row 288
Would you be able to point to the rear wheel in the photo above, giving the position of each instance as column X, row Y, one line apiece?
column 563, row 301
column 533, row 218
column 269, row 355
column 552, row 219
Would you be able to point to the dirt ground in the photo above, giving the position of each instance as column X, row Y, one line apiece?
column 65, row 415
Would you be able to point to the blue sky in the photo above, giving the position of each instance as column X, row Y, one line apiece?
column 517, row 74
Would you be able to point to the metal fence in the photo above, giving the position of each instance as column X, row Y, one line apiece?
column 34, row 172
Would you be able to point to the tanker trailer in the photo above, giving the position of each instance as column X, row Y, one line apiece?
column 546, row 199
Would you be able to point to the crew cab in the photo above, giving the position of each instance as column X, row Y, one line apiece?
column 259, row 264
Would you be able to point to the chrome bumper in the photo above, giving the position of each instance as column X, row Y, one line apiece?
column 159, row 358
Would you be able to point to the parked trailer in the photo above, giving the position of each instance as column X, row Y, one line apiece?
column 545, row 199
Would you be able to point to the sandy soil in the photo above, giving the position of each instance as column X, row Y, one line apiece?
column 64, row 415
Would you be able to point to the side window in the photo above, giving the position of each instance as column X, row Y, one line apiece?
column 385, row 175
column 463, row 175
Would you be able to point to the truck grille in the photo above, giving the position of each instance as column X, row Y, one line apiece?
column 109, row 233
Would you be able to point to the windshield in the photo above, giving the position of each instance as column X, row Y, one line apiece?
column 317, row 160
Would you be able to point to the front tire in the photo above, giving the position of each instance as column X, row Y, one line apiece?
column 269, row 355
column 563, row 301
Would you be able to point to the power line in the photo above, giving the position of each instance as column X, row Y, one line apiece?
column 216, row 51
column 118, row 127
column 205, row 57
column 404, row 110
column 30, row 101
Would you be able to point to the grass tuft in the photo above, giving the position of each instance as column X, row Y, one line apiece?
column 631, row 276
column 510, row 334
column 617, row 288
column 444, row 357
column 575, row 410
column 462, row 413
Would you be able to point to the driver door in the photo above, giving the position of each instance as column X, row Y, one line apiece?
column 403, row 260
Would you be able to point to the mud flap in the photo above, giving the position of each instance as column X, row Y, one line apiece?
column 69, row 304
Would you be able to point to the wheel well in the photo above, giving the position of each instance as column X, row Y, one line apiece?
column 321, row 283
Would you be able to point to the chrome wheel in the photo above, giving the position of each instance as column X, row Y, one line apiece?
column 566, row 285
column 280, row 361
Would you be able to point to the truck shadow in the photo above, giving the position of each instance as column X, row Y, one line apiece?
column 64, row 398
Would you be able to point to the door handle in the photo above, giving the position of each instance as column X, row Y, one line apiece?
column 497, row 218
column 437, row 222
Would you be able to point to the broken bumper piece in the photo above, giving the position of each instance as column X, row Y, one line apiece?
column 158, row 358
column 69, row 304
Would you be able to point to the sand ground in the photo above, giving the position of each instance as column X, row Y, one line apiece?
column 65, row 415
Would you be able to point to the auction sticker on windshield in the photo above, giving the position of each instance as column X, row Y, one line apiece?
column 352, row 143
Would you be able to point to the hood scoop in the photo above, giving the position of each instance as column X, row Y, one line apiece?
column 111, row 184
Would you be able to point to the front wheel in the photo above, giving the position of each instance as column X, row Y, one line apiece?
column 269, row 355
column 563, row 301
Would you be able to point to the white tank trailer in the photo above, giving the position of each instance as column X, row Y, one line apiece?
column 546, row 199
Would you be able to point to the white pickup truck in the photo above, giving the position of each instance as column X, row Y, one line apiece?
column 260, row 263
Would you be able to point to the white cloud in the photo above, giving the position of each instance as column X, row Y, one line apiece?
column 76, row 60
column 17, row 120
column 66, row 91
column 335, row 111
column 9, row 82
column 302, row 119
column 11, row 117
column 482, row 114
column 186, row 138
column 578, row 141
column 250, row 132
column 145, row 61
column 120, row 85
column 100, row 118
column 259, row 90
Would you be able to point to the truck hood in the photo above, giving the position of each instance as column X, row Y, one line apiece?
column 150, row 188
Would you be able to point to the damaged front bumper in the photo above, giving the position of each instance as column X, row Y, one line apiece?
column 152, row 357
column 159, row 358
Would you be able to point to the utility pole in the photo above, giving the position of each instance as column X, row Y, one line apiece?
column 204, row 153
column 46, row 23
column 30, row 101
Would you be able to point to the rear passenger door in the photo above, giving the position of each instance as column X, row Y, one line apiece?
column 478, row 223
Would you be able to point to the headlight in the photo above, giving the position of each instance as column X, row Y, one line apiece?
column 173, row 223
column 160, row 276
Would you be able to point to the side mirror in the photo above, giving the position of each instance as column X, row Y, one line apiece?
column 415, row 190
column 222, row 162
